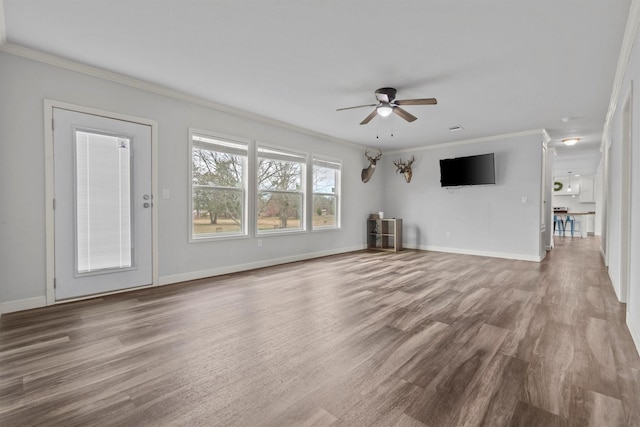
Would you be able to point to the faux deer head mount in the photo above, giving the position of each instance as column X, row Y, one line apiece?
column 368, row 172
column 405, row 168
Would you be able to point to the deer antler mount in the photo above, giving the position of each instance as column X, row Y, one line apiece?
column 405, row 168
column 367, row 173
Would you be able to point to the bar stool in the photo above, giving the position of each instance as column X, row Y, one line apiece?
column 559, row 225
column 574, row 223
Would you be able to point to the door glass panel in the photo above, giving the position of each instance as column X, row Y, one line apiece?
column 103, row 202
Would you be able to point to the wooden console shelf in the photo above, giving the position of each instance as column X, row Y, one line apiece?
column 384, row 234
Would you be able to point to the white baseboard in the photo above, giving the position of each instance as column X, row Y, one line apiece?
column 635, row 331
column 519, row 257
column 22, row 304
column 201, row 274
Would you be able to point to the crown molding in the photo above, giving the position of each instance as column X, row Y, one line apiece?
column 56, row 61
column 546, row 139
column 471, row 141
column 630, row 33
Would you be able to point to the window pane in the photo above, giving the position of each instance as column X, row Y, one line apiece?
column 324, row 211
column 324, row 179
column 326, row 191
column 103, row 202
column 279, row 175
column 216, row 211
column 278, row 211
column 216, row 168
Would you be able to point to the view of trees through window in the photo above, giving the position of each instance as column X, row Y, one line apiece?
column 280, row 190
column 218, row 184
column 220, row 174
column 326, row 175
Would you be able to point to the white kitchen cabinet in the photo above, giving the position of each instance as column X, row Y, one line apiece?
column 587, row 194
column 590, row 224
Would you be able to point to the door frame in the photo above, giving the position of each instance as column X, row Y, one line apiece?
column 49, row 105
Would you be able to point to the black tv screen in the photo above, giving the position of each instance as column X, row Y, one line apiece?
column 471, row 170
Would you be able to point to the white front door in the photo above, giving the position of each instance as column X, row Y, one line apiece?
column 102, row 214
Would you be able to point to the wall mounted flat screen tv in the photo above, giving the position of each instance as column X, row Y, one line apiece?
column 471, row 170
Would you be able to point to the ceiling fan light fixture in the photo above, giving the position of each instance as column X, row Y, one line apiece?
column 387, row 104
column 384, row 110
column 570, row 141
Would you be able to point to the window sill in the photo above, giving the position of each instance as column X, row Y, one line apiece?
column 210, row 239
column 279, row 233
column 325, row 229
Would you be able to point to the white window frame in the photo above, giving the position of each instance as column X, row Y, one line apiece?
column 285, row 154
column 318, row 160
column 222, row 139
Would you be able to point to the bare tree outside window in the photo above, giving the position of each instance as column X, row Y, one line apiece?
column 218, row 185
column 326, row 185
column 280, row 191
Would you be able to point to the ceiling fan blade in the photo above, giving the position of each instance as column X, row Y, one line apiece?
column 424, row 101
column 357, row 106
column 404, row 114
column 369, row 117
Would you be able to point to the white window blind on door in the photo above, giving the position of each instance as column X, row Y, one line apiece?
column 103, row 202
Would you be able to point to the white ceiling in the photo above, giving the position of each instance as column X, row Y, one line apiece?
column 495, row 66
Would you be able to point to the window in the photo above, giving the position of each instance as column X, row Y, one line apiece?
column 219, row 186
column 326, row 191
column 280, row 185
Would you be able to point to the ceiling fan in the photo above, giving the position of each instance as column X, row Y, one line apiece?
column 388, row 104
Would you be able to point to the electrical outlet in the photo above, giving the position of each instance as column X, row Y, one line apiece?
column 449, row 234
column 524, row 199
column 165, row 193
column 259, row 243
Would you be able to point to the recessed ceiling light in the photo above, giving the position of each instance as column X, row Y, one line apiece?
column 566, row 119
column 570, row 141
column 455, row 128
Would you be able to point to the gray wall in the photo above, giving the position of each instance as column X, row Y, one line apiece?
column 484, row 219
column 24, row 84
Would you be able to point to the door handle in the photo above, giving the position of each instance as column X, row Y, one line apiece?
column 146, row 204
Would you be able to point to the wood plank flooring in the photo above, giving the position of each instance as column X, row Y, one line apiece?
column 361, row 339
